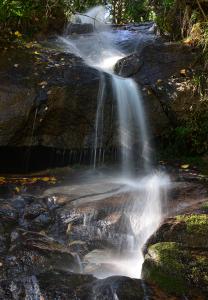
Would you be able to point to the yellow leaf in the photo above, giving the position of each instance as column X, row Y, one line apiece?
column 184, row 166
column 17, row 189
column 18, row 34
column 43, row 83
column 183, row 72
column 45, row 179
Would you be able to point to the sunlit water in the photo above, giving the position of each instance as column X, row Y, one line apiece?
column 146, row 208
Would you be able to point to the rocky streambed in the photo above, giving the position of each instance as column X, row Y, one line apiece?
column 54, row 240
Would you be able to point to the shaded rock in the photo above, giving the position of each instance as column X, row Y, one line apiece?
column 128, row 66
column 42, row 221
column 79, row 28
column 8, row 213
column 34, row 210
column 15, row 105
column 40, row 252
column 117, row 287
column 3, row 244
column 45, row 123
column 65, row 285
column 47, row 92
column 161, row 61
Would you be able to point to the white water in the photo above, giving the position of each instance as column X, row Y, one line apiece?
column 145, row 210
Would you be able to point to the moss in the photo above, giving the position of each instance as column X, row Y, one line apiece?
column 165, row 267
column 205, row 206
column 168, row 283
column 195, row 224
column 175, row 269
column 167, row 254
column 198, row 270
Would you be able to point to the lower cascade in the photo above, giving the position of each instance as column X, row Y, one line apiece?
column 145, row 187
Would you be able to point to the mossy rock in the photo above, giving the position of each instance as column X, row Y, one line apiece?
column 204, row 207
column 189, row 230
column 175, row 269
column 195, row 224
column 164, row 267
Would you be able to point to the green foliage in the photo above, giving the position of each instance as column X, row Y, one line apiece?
column 30, row 15
column 136, row 11
column 34, row 15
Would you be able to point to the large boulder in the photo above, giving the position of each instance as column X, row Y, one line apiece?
column 176, row 270
column 176, row 258
column 48, row 99
column 157, row 61
column 172, row 82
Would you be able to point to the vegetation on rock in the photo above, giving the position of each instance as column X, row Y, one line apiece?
column 176, row 269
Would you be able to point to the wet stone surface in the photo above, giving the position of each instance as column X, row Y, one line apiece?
column 51, row 244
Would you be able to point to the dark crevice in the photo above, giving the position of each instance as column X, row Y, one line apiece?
column 37, row 158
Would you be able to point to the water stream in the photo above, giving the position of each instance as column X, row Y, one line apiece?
column 148, row 192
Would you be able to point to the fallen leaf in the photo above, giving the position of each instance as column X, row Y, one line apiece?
column 17, row 189
column 43, row 83
column 18, row 34
column 183, row 72
column 184, row 166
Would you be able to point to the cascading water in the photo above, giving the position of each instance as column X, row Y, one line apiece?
column 99, row 121
column 131, row 120
column 147, row 194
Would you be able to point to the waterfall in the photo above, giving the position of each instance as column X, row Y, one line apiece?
column 148, row 192
column 99, row 121
column 131, row 119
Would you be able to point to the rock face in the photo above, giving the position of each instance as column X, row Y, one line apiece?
column 79, row 28
column 163, row 70
column 39, row 99
column 50, row 101
column 177, row 256
column 128, row 66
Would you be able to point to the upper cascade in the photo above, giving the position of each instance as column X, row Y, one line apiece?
column 97, row 16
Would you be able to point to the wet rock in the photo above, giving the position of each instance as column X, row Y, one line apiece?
column 128, row 66
column 34, row 210
column 117, row 287
column 161, row 61
column 3, row 244
column 79, row 28
column 65, row 285
column 40, row 252
column 86, row 287
column 8, row 213
column 42, row 221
